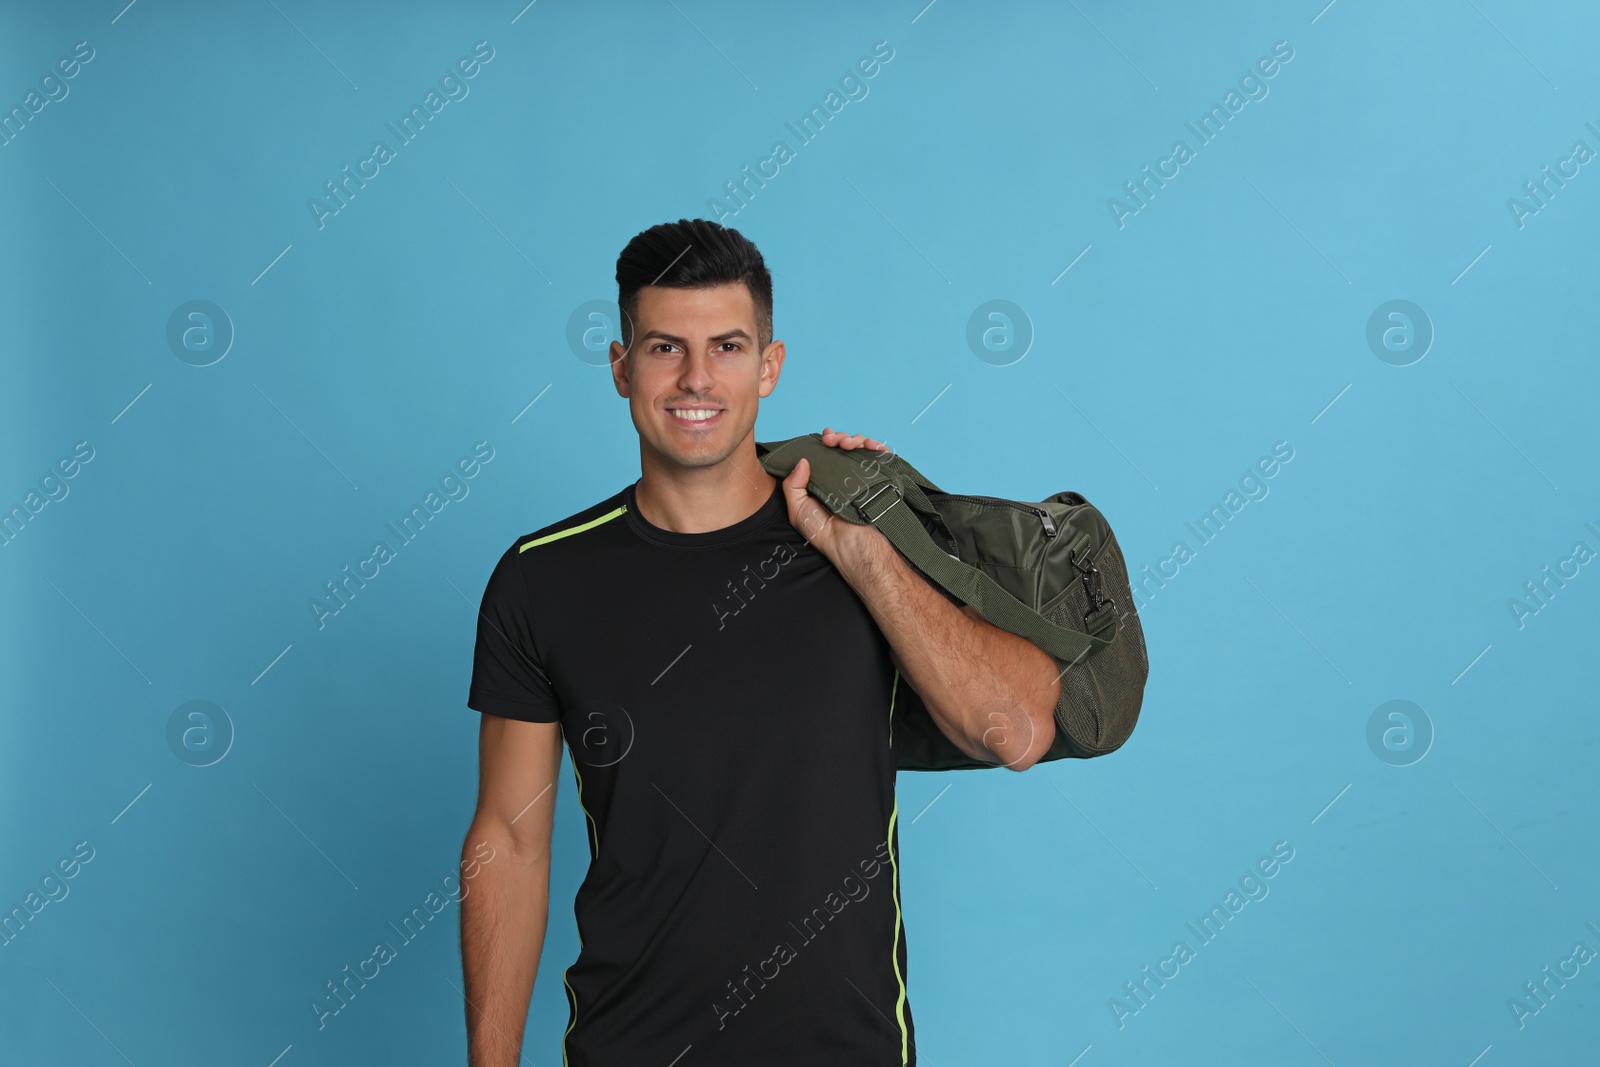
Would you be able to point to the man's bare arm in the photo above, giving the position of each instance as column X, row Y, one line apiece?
column 992, row 693
column 505, row 906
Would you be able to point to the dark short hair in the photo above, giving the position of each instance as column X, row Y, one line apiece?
column 692, row 254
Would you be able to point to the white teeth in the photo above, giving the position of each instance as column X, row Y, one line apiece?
column 693, row 414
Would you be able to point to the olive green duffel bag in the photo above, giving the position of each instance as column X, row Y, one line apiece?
column 1050, row 572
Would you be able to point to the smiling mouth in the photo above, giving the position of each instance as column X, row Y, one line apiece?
column 695, row 417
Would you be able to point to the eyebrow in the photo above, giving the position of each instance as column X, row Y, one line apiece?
column 718, row 339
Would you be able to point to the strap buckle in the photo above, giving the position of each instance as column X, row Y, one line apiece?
column 865, row 507
column 1092, row 589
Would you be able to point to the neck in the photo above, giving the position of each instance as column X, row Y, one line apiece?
column 702, row 499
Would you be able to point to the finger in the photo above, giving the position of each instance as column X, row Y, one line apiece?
column 794, row 486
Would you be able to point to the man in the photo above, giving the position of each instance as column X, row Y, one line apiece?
column 728, row 691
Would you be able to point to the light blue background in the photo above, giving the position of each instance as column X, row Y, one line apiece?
column 1225, row 316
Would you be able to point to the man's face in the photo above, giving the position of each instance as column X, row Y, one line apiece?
column 695, row 375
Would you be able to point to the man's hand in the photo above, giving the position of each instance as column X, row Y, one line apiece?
column 838, row 541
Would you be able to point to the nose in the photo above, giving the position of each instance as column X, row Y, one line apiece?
column 695, row 377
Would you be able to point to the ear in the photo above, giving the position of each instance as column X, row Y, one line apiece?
column 620, row 372
column 771, row 367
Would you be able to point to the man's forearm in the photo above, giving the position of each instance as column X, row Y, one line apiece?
column 991, row 692
column 503, row 919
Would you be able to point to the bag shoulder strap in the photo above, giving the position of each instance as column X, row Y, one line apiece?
column 885, row 499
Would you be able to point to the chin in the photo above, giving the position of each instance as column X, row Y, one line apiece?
column 698, row 450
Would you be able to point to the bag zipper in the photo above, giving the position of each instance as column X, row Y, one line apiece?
column 995, row 501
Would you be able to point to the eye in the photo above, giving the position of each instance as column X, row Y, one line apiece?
column 658, row 346
column 730, row 344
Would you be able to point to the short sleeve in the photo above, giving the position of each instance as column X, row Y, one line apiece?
column 507, row 678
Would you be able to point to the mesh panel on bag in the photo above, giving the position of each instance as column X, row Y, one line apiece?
column 1100, row 695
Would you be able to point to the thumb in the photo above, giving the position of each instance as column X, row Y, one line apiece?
column 795, row 483
column 805, row 514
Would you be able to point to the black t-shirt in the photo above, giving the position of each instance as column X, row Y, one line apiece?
column 730, row 708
